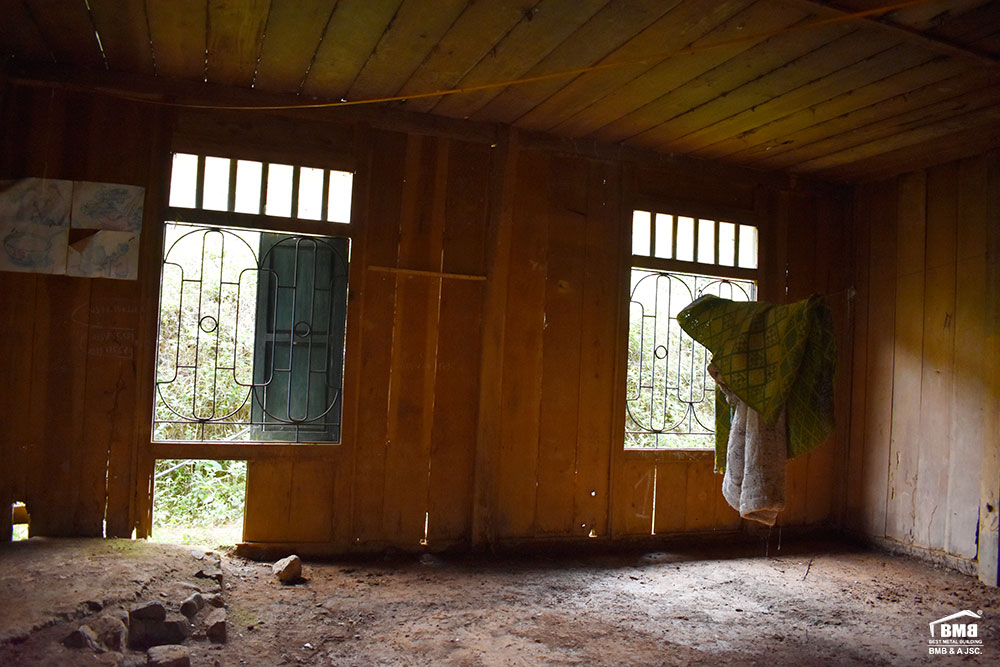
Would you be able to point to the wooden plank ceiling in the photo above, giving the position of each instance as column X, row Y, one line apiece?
column 776, row 85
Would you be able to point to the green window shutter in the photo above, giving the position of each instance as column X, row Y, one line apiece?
column 299, row 340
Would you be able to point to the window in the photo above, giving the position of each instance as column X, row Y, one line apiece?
column 253, row 303
column 670, row 397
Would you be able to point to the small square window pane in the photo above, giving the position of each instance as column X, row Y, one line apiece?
column 184, row 180
column 727, row 244
column 748, row 247
column 664, row 235
column 216, row 195
column 706, row 241
column 640, row 233
column 248, row 186
column 339, row 203
column 685, row 239
column 310, row 194
column 279, row 190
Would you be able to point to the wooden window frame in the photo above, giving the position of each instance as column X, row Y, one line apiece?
column 676, row 208
column 209, row 449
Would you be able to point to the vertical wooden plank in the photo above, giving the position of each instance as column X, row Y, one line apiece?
column 703, row 485
column 881, row 333
column 989, row 494
column 938, row 358
column 110, row 394
column 671, row 496
column 387, row 154
column 560, row 392
column 489, row 433
column 112, row 390
column 725, row 517
column 632, row 505
column 854, row 501
column 522, row 359
column 969, row 389
column 268, row 503
column 453, row 441
column 821, row 478
column 800, row 279
column 139, row 467
column 310, row 502
column 415, row 340
column 17, row 312
column 596, row 434
column 65, row 492
column 907, row 353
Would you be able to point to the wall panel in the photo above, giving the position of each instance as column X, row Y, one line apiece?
column 929, row 377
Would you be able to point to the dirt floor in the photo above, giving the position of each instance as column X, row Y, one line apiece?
column 807, row 604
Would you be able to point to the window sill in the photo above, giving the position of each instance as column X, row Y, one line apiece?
column 666, row 455
column 246, row 451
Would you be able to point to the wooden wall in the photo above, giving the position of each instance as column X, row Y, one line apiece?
column 924, row 431
column 482, row 404
column 68, row 346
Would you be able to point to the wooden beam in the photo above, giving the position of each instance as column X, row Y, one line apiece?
column 488, row 433
column 899, row 31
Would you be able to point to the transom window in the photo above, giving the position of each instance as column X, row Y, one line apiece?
column 252, row 316
column 670, row 398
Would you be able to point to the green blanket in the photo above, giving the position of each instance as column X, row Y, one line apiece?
column 770, row 357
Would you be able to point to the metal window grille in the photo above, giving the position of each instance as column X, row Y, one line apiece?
column 251, row 336
column 670, row 398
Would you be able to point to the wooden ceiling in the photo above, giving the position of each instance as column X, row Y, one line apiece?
column 761, row 83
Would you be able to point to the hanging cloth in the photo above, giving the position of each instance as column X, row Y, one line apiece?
column 772, row 358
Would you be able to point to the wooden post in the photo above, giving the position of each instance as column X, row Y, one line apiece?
column 491, row 362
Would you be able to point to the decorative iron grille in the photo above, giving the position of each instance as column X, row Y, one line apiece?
column 670, row 398
column 251, row 336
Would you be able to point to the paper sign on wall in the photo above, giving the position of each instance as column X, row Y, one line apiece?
column 36, row 215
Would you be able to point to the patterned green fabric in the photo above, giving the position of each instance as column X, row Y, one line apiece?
column 770, row 357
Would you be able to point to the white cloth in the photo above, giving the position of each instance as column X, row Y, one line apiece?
column 754, row 481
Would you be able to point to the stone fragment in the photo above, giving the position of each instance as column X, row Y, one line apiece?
column 192, row 604
column 215, row 600
column 215, row 626
column 288, row 570
column 93, row 605
column 111, row 630
column 145, row 632
column 209, row 572
column 151, row 611
column 168, row 656
column 83, row 637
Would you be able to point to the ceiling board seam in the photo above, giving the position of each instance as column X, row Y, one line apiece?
column 97, row 35
column 371, row 54
column 322, row 37
column 149, row 36
column 260, row 45
column 533, row 9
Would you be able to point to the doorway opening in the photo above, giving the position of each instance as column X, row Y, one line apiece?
column 199, row 501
